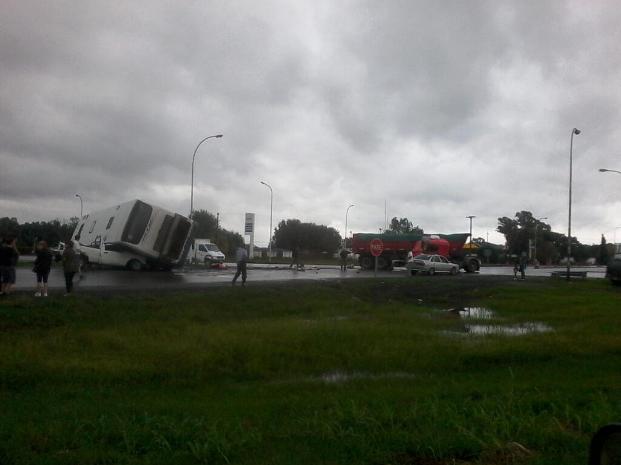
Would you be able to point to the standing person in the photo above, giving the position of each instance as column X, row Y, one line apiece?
column 8, row 261
column 241, row 257
column 42, row 267
column 343, row 255
column 523, row 263
column 71, row 265
column 294, row 258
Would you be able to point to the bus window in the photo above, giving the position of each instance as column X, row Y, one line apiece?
column 137, row 222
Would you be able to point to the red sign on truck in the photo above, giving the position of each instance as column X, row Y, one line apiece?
column 377, row 247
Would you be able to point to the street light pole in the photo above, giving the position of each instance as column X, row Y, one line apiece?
column 193, row 157
column 269, row 256
column 470, row 217
column 605, row 170
column 571, row 161
column 81, row 206
column 345, row 238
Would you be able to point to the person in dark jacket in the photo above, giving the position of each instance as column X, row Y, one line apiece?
column 42, row 267
column 523, row 264
column 8, row 262
column 343, row 254
column 71, row 265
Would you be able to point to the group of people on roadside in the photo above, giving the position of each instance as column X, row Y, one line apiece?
column 9, row 256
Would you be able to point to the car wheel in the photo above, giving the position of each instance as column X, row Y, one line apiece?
column 431, row 271
column 454, row 270
column 134, row 265
column 207, row 263
column 413, row 272
column 83, row 261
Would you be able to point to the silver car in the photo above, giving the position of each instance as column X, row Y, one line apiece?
column 431, row 264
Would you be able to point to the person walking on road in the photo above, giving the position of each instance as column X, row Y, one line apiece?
column 523, row 263
column 71, row 265
column 343, row 254
column 241, row 257
column 42, row 267
column 8, row 261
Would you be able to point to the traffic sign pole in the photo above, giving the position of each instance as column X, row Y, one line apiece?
column 376, row 248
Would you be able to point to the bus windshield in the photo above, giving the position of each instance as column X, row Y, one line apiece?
column 137, row 223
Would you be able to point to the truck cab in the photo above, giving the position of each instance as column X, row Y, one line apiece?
column 203, row 251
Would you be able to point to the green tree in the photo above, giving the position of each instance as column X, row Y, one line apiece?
column 403, row 226
column 309, row 237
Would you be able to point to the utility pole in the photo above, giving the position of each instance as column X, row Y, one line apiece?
column 470, row 217
column 571, row 158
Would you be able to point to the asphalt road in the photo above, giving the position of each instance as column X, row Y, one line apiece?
column 110, row 279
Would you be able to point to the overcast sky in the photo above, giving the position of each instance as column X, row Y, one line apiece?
column 443, row 109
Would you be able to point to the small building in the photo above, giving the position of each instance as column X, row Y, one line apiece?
column 264, row 252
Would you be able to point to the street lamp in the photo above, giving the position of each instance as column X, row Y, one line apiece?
column 605, row 170
column 269, row 256
column 470, row 217
column 81, row 205
column 346, row 212
column 536, row 228
column 193, row 157
column 571, row 158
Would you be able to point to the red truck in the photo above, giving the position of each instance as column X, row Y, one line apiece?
column 397, row 247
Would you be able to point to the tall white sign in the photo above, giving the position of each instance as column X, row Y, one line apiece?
column 249, row 231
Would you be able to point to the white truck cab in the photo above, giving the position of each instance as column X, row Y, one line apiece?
column 203, row 251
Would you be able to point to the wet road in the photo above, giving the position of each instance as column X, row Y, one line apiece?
column 104, row 279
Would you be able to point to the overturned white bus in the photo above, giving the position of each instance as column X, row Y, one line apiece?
column 135, row 235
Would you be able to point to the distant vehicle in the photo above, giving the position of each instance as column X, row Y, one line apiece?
column 135, row 235
column 398, row 248
column 431, row 264
column 613, row 270
column 205, row 252
column 58, row 249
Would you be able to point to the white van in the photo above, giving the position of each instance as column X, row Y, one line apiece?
column 135, row 235
column 206, row 252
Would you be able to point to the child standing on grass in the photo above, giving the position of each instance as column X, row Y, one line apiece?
column 8, row 261
column 71, row 265
column 42, row 267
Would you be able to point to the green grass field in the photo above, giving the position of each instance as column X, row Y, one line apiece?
column 363, row 372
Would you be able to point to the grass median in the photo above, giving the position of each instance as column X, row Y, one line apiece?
column 363, row 372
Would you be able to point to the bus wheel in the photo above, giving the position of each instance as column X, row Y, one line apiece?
column 134, row 265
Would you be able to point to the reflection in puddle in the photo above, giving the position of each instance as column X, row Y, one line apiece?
column 336, row 377
column 520, row 329
column 483, row 313
column 512, row 330
column 479, row 313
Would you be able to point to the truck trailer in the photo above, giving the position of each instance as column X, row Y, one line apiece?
column 399, row 247
column 135, row 235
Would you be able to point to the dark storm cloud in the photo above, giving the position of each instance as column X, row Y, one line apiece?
column 445, row 109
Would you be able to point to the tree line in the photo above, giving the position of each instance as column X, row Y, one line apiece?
column 524, row 231
column 55, row 231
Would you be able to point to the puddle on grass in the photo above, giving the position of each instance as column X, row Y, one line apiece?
column 336, row 377
column 510, row 330
column 474, row 313
column 466, row 314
